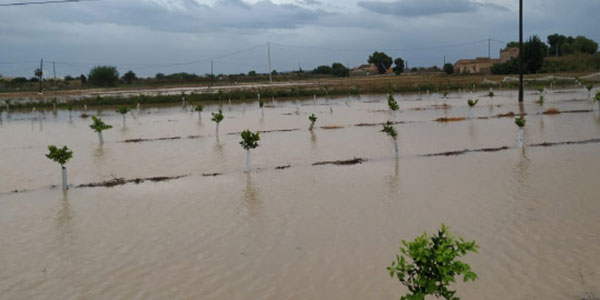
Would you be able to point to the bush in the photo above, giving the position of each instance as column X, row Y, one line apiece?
column 103, row 76
column 434, row 264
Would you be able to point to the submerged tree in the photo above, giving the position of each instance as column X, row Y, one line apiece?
column 217, row 118
column 123, row 110
column 261, row 104
column 70, row 109
column 393, row 105
column 471, row 104
column 61, row 156
column 199, row 108
column 249, row 141
column 491, row 95
column 99, row 126
column 520, row 121
column 589, row 88
column 598, row 99
column 434, row 264
column 312, row 118
column 389, row 129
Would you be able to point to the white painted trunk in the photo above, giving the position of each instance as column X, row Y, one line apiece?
column 393, row 116
column 315, row 99
column 199, row 115
column 124, row 123
column 312, row 124
column 396, row 147
column 248, row 160
column 520, row 138
column 229, row 101
column 217, row 129
column 84, row 108
column 470, row 113
column 100, row 138
column 64, row 178
column 273, row 100
column 138, row 107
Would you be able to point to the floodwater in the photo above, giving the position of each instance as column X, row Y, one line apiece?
column 304, row 232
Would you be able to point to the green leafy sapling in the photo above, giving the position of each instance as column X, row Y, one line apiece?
column 471, row 104
column 389, row 129
column 0, row 115
column 249, row 141
column 312, row 118
column 70, row 109
column 597, row 98
column 393, row 106
column 217, row 118
column 61, row 156
column 261, row 104
column 123, row 110
column 429, row 264
column 199, row 108
column 520, row 122
column 541, row 89
column 98, row 126
column 491, row 95
column 589, row 88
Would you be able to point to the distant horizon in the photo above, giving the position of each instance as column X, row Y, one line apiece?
column 159, row 36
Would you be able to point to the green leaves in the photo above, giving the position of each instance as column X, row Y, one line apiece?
column 312, row 118
column 392, row 104
column 217, row 117
column 249, row 139
column 589, row 87
column 199, row 107
column 540, row 101
column 261, row 103
column 520, row 121
column 597, row 96
column 98, row 125
column 123, row 110
column 59, row 155
column 491, row 94
column 433, row 264
column 389, row 129
column 472, row 103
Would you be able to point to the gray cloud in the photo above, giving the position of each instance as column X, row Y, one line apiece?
column 417, row 8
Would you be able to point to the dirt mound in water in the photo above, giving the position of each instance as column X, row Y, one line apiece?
column 348, row 162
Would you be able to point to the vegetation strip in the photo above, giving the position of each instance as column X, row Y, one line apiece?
column 460, row 152
column 121, row 181
column 546, row 144
column 267, row 131
column 348, row 162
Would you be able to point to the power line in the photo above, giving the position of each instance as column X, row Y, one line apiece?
column 43, row 2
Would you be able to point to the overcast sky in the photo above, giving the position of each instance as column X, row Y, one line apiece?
column 167, row 36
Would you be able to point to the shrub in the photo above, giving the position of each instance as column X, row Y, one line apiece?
column 59, row 155
column 434, row 264
column 103, row 76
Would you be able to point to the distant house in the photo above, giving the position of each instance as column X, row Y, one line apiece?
column 364, row 70
column 483, row 65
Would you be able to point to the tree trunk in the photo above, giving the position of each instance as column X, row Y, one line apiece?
column 248, row 160
column 100, row 138
column 199, row 116
column 396, row 146
column 217, row 129
column 312, row 124
column 124, row 124
column 520, row 138
column 64, row 178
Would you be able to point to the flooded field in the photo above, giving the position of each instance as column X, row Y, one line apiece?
column 291, row 229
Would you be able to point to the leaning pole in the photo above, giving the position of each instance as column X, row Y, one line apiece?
column 521, row 54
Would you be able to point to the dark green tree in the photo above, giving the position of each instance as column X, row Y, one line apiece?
column 129, row 77
column 381, row 60
column 449, row 68
column 399, row 66
column 103, row 76
column 339, row 70
column 534, row 52
column 322, row 70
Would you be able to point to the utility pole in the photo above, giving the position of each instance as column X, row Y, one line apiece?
column 444, row 61
column 41, row 73
column 269, row 60
column 212, row 74
column 490, row 48
column 54, row 71
column 521, row 51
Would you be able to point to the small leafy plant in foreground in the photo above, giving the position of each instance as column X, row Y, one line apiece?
column 61, row 156
column 123, row 110
column 428, row 264
column 249, row 141
column 312, row 118
column 98, row 126
column 393, row 105
column 217, row 118
column 389, row 129
column 520, row 122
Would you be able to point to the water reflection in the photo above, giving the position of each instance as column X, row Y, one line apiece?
column 393, row 181
column 313, row 140
column 64, row 220
column 218, row 148
column 251, row 198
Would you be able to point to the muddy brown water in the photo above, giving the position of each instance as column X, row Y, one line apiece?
column 303, row 232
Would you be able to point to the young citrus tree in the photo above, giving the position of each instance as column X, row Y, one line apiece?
column 428, row 265
column 99, row 126
column 249, row 141
column 597, row 98
column 520, row 122
column 199, row 108
column 312, row 118
column 471, row 104
column 61, row 156
column 261, row 104
column 217, row 118
column 589, row 88
column 123, row 110
column 491, row 95
column 389, row 129
column 393, row 105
